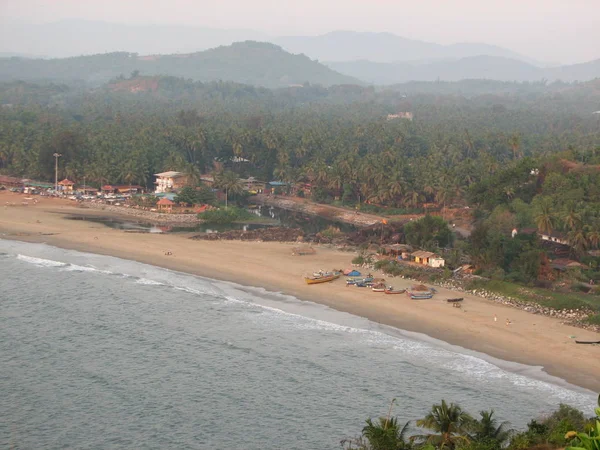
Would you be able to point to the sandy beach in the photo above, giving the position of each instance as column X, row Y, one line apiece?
column 529, row 339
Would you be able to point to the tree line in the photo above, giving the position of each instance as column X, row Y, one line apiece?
column 448, row 426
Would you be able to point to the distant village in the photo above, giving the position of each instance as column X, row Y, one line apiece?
column 167, row 185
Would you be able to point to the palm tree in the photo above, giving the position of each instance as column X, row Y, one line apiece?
column 572, row 218
column 515, row 142
column 593, row 236
column 386, row 434
column 449, row 424
column 544, row 218
column 487, row 429
column 578, row 240
column 230, row 182
column 192, row 173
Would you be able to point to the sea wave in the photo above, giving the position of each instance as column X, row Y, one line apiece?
column 78, row 268
column 289, row 312
column 148, row 282
column 41, row 261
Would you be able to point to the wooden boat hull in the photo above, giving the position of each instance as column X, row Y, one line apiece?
column 401, row 291
column 319, row 280
column 587, row 342
column 378, row 289
column 455, row 300
column 419, row 296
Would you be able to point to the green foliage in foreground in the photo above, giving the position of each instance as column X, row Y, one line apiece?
column 226, row 215
column 447, row 426
column 590, row 439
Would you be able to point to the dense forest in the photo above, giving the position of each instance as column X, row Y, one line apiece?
column 520, row 155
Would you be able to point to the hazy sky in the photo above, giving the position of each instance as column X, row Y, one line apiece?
column 553, row 30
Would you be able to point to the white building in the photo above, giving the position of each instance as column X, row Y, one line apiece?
column 436, row 261
column 558, row 238
column 169, row 181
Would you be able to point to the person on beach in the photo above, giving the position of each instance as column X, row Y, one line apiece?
column 495, row 318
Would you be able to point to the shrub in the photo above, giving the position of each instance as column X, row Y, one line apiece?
column 594, row 319
column 331, row 232
column 226, row 215
column 381, row 264
column 360, row 260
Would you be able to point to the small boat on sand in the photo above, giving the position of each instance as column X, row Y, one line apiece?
column 587, row 342
column 321, row 277
column 455, row 300
column 420, row 292
column 357, row 281
column 379, row 287
column 419, row 296
column 391, row 290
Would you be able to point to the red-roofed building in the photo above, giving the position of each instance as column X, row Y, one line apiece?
column 66, row 185
column 164, row 204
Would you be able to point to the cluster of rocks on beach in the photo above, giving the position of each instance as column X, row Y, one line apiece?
column 149, row 216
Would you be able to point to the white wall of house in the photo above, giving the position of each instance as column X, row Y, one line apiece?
column 163, row 184
column 436, row 262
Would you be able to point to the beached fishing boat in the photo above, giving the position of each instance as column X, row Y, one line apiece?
column 355, row 281
column 420, row 296
column 391, row 290
column 455, row 300
column 321, row 277
column 379, row 287
column 420, row 292
column 587, row 342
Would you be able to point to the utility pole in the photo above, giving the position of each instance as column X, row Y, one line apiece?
column 56, row 156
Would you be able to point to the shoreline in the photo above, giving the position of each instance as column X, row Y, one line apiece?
column 531, row 340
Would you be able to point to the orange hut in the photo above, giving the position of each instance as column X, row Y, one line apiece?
column 165, row 205
column 66, row 185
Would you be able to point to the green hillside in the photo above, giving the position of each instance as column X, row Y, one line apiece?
column 254, row 63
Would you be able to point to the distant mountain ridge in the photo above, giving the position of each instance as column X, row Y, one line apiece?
column 250, row 62
column 476, row 67
column 386, row 47
column 56, row 39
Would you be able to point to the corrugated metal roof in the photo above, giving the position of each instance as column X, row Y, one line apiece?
column 169, row 174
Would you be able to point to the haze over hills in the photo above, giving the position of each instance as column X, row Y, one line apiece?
column 250, row 62
column 373, row 58
column 81, row 37
column 386, row 47
column 67, row 38
column 476, row 67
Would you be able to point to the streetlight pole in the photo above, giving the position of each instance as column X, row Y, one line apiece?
column 56, row 156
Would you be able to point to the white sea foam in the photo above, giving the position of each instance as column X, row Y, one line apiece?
column 147, row 282
column 77, row 268
column 40, row 261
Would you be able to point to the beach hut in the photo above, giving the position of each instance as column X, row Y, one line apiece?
column 165, row 205
column 66, row 186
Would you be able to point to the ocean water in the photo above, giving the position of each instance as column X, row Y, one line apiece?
column 100, row 352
